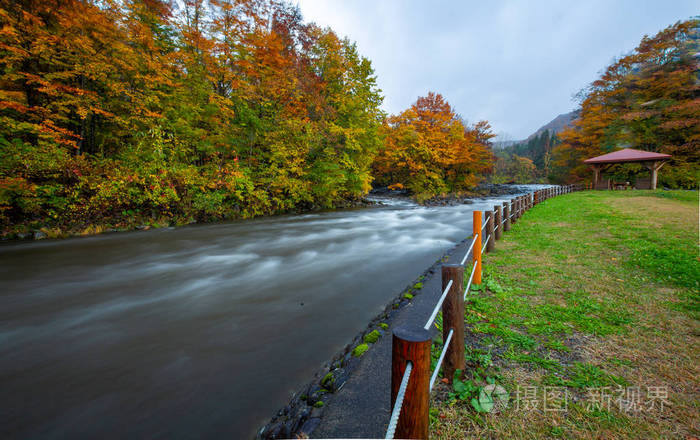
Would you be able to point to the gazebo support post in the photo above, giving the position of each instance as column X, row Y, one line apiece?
column 596, row 175
column 654, row 168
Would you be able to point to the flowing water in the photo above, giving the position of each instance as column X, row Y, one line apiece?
column 202, row 331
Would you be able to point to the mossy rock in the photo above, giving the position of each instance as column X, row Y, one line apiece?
column 360, row 350
column 384, row 325
column 372, row 337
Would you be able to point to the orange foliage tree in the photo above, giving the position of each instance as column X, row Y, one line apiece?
column 429, row 149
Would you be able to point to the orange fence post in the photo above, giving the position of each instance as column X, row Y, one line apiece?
column 477, row 247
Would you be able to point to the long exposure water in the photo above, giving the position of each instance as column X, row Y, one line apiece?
column 202, row 331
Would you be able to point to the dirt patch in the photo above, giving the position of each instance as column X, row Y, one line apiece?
column 657, row 211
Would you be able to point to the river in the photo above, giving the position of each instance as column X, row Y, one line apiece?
column 201, row 331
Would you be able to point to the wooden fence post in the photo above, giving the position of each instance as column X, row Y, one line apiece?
column 411, row 344
column 476, row 252
column 498, row 228
column 506, row 216
column 453, row 318
column 513, row 210
column 491, row 244
column 534, row 197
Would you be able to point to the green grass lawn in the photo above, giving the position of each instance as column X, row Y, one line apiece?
column 589, row 318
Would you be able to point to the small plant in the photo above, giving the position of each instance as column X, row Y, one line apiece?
column 418, row 286
column 493, row 286
column 318, row 404
column 360, row 350
column 327, row 380
column 479, row 357
column 372, row 337
column 408, row 296
column 383, row 325
column 462, row 389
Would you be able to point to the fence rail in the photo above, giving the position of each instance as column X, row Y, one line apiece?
column 411, row 379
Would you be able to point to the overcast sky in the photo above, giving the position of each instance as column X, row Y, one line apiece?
column 516, row 64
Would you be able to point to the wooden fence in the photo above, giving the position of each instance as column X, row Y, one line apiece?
column 411, row 379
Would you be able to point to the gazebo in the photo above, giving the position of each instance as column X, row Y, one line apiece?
column 653, row 161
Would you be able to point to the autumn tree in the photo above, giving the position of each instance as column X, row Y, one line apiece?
column 429, row 150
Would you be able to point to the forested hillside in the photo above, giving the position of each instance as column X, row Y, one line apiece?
column 647, row 100
column 123, row 112
column 527, row 161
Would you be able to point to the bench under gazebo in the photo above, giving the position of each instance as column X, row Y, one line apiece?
column 652, row 161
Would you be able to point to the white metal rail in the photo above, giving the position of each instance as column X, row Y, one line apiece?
column 437, row 306
column 442, row 356
column 391, row 429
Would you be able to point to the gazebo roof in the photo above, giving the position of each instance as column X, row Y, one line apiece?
column 627, row 155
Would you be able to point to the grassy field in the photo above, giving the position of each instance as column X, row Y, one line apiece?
column 588, row 317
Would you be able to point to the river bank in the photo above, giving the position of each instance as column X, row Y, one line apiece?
column 376, row 196
column 29, row 233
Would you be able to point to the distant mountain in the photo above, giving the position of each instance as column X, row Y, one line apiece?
column 503, row 144
column 537, row 147
column 556, row 125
